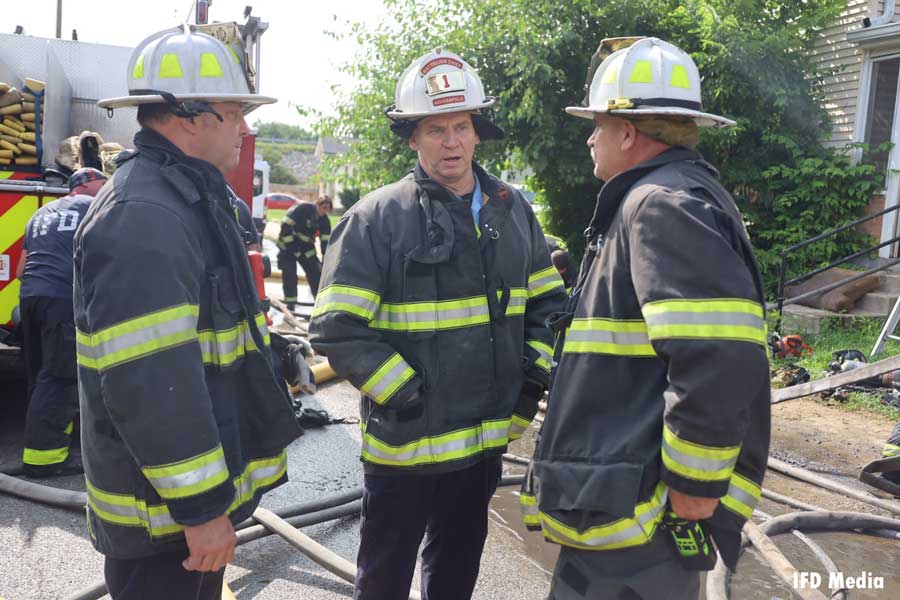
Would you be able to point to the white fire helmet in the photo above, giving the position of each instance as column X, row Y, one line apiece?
column 187, row 67
column 440, row 82
column 649, row 77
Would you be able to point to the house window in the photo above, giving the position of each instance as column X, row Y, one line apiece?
column 882, row 100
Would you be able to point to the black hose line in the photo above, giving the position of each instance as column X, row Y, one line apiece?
column 12, row 469
column 45, row 494
column 717, row 579
column 257, row 531
column 305, row 508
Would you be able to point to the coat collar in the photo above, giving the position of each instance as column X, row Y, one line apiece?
column 614, row 191
column 192, row 177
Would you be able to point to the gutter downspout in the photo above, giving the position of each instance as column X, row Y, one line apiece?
column 890, row 7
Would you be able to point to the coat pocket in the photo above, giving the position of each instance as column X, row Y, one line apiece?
column 613, row 489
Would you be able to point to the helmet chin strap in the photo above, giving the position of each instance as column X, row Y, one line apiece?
column 183, row 109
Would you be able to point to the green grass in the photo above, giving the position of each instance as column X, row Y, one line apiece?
column 841, row 334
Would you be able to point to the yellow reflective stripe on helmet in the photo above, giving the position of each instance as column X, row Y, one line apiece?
column 441, row 448
column 170, row 67
column 621, row 533
column 138, row 71
column 696, row 461
column 642, row 72
column 594, row 335
column 742, row 496
column 30, row 456
column 518, row 299
column 430, row 316
column 715, row 318
column 890, row 450
column 209, row 65
column 138, row 337
column 188, row 477
column 356, row 301
column 544, row 281
column 517, row 426
column 611, row 75
column 128, row 511
column 387, row 379
column 545, row 352
column 680, row 78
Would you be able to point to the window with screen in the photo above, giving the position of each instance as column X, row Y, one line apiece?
column 882, row 101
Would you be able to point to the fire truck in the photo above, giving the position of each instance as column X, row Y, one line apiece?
column 77, row 74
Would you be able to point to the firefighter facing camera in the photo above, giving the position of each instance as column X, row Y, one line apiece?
column 636, row 482
column 301, row 225
column 48, row 328
column 434, row 293
column 185, row 417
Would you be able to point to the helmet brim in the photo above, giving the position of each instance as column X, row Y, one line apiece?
column 485, row 129
column 399, row 114
column 250, row 101
column 702, row 119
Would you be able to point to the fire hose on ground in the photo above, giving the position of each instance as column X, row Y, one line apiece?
column 299, row 515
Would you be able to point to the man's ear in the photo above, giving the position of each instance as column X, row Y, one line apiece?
column 629, row 135
column 190, row 126
column 413, row 144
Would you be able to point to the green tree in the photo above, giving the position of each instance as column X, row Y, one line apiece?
column 282, row 131
column 754, row 55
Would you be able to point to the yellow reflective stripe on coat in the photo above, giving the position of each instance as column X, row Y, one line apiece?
column 302, row 237
column 138, row 337
column 286, row 238
column 715, row 318
column 544, row 281
column 288, row 220
column 594, row 335
column 696, row 461
column 344, row 298
column 441, row 448
column 742, row 496
column 309, row 253
column 518, row 298
column 188, row 477
column 222, row 347
column 517, row 426
column 545, row 352
column 622, row 533
column 324, row 237
column 42, row 458
column 530, row 513
column 126, row 510
column 890, row 450
column 430, row 316
column 387, row 379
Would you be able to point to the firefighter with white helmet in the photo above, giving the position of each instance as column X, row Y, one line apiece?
column 667, row 318
column 433, row 297
column 184, row 420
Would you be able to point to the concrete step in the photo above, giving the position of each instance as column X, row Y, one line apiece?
column 878, row 302
column 807, row 320
column 890, row 282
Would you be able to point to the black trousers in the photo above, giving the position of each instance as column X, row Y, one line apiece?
column 288, row 265
column 160, row 577
column 649, row 572
column 48, row 329
column 448, row 509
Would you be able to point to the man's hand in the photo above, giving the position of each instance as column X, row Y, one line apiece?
column 692, row 508
column 211, row 545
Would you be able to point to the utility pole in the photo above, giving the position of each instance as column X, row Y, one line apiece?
column 59, row 19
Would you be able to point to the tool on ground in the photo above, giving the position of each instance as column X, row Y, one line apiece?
column 788, row 345
column 692, row 542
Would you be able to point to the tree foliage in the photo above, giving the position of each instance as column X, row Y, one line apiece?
column 282, row 131
column 754, row 56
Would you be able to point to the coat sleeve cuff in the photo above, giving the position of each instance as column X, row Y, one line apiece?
column 202, row 508
column 696, row 469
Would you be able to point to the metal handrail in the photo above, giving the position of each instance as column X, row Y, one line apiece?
column 783, row 281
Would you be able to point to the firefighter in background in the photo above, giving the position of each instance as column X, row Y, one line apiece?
column 659, row 414
column 184, row 418
column 48, row 328
column 434, row 295
column 300, row 227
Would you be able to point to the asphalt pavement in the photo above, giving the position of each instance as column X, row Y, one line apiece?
column 45, row 553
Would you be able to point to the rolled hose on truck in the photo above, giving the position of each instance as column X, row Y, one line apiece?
column 325, row 510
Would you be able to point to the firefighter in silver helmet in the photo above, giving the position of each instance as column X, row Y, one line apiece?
column 432, row 302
